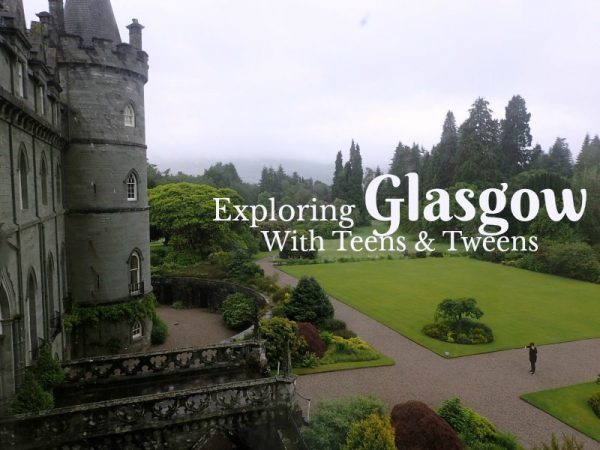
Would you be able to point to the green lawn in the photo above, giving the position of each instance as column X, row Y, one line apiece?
column 332, row 245
column 569, row 405
column 382, row 361
column 520, row 306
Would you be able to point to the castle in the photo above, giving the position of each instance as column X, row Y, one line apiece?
column 74, row 217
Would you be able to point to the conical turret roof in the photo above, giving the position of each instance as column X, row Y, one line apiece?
column 91, row 19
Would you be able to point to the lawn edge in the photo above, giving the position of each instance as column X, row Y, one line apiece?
column 383, row 361
column 524, row 398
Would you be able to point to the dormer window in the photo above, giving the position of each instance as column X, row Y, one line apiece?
column 132, row 187
column 129, row 115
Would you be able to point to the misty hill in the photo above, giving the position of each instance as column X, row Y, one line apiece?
column 249, row 169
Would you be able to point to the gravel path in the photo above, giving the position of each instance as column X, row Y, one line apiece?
column 491, row 383
column 193, row 327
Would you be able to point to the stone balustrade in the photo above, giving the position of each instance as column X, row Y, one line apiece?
column 111, row 368
column 65, row 428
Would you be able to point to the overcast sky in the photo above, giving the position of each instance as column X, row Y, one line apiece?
column 233, row 79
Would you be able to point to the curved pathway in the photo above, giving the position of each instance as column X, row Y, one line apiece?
column 491, row 383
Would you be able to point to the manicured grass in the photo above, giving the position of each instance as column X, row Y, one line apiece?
column 332, row 252
column 569, row 405
column 520, row 306
column 382, row 361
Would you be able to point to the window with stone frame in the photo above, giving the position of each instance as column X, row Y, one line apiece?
column 23, row 179
column 135, row 273
column 19, row 88
column 132, row 187
column 137, row 330
column 129, row 116
column 44, row 180
column 41, row 100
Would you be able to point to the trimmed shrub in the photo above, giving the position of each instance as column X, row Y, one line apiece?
column 372, row 433
column 333, row 419
column 309, row 303
column 288, row 253
column 47, row 370
column 594, row 403
column 475, row 430
column 573, row 260
column 454, row 324
column 565, row 443
column 277, row 331
column 159, row 331
column 332, row 325
column 347, row 350
column 470, row 425
column 436, row 254
column 346, row 334
column 282, row 294
column 31, row 398
column 238, row 311
column 311, row 335
column 417, row 426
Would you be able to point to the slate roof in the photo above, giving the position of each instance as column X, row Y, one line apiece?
column 91, row 19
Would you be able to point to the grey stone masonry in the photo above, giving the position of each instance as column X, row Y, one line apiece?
column 74, row 218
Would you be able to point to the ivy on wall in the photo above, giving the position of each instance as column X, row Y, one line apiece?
column 128, row 311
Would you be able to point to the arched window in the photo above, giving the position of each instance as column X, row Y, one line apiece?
column 132, row 187
column 4, row 315
column 136, row 287
column 137, row 330
column 32, row 312
column 50, row 307
column 129, row 115
column 58, row 185
column 23, row 179
column 44, row 180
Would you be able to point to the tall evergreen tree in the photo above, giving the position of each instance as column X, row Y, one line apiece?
column 338, row 187
column 560, row 159
column 516, row 136
column 354, row 176
column 443, row 156
column 477, row 158
column 589, row 157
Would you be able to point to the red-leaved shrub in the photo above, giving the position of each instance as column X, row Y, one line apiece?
column 418, row 427
column 312, row 337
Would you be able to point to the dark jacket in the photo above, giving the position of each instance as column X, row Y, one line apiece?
column 532, row 353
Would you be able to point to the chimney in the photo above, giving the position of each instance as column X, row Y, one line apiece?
column 57, row 12
column 135, row 34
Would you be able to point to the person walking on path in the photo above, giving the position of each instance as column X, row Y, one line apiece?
column 532, row 357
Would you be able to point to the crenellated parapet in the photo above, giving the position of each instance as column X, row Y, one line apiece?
column 103, row 53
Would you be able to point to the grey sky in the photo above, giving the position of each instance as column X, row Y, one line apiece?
column 299, row 79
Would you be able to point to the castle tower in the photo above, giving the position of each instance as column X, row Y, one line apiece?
column 107, row 225
column 14, row 9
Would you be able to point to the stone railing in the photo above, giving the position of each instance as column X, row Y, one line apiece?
column 111, row 368
column 59, row 427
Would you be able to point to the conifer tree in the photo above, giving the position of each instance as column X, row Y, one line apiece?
column 516, row 136
column 338, row 188
column 443, row 155
column 477, row 158
column 589, row 157
column 560, row 159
